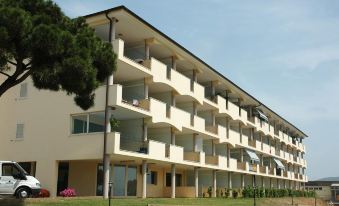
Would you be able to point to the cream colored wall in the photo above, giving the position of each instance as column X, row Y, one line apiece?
column 82, row 177
column 47, row 138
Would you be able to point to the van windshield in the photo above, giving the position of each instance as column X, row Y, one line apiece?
column 21, row 169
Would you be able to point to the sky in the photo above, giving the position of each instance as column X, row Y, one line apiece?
column 285, row 53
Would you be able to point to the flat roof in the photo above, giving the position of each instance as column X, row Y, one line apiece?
column 194, row 56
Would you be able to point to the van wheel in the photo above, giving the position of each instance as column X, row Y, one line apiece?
column 23, row 192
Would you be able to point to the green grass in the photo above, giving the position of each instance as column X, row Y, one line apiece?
column 165, row 201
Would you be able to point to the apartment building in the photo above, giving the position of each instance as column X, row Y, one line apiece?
column 180, row 126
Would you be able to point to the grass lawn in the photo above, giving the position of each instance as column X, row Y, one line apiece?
column 89, row 201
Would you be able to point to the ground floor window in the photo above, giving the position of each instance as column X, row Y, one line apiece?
column 152, row 178
column 178, row 178
column 124, row 180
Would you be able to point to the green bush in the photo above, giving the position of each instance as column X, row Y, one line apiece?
column 227, row 192
column 235, row 194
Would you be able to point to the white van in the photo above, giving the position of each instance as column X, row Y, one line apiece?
column 15, row 181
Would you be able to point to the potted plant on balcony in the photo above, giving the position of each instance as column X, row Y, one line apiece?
column 115, row 124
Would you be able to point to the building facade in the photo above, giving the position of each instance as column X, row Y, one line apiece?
column 177, row 126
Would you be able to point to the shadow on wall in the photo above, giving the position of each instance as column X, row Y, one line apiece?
column 5, row 201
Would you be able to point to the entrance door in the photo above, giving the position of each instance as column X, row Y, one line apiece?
column 7, row 180
column 63, row 170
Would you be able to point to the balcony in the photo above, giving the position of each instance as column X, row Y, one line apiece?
column 252, row 143
column 263, row 169
column 174, row 79
column 174, row 114
column 271, row 171
column 212, row 160
column 194, row 156
column 253, row 167
column 241, row 166
column 230, row 109
column 128, row 65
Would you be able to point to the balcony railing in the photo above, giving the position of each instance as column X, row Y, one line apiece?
column 212, row 129
column 241, row 165
column 252, row 143
column 212, row 160
column 192, row 156
column 262, row 169
column 133, row 145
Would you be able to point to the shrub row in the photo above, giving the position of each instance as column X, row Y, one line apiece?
column 248, row 192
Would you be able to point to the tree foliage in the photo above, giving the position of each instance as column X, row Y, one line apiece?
column 59, row 53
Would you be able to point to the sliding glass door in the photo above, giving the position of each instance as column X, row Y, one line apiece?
column 124, row 180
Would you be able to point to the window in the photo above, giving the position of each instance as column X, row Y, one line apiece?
column 178, row 178
column 96, row 122
column 9, row 169
column 88, row 123
column 19, row 131
column 23, row 90
column 152, row 178
column 79, row 124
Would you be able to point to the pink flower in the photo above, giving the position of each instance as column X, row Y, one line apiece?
column 69, row 192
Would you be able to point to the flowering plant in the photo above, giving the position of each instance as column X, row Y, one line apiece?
column 69, row 192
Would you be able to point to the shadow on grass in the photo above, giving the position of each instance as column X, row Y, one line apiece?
column 5, row 201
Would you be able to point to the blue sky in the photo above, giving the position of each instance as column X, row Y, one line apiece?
column 285, row 53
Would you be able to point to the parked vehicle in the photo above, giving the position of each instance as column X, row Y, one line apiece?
column 14, row 180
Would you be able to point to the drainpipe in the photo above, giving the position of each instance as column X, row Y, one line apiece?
column 106, row 158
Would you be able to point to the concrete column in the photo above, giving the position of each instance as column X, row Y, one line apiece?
column 173, row 99
column 278, row 183
column 228, row 150
column 145, row 89
column 195, row 77
column 173, row 180
column 213, row 118
column 196, row 181
column 262, row 142
column 172, row 136
column 144, row 179
column 195, row 109
column 262, row 181
column 240, row 132
column 212, row 89
column 145, row 131
column 270, row 182
column 242, row 179
column 195, row 144
column 239, row 104
column 214, row 192
column 47, row 174
column 174, row 62
column 228, row 125
column 284, row 184
column 253, row 181
column 230, row 180
column 213, row 148
column 147, row 50
column 241, row 155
